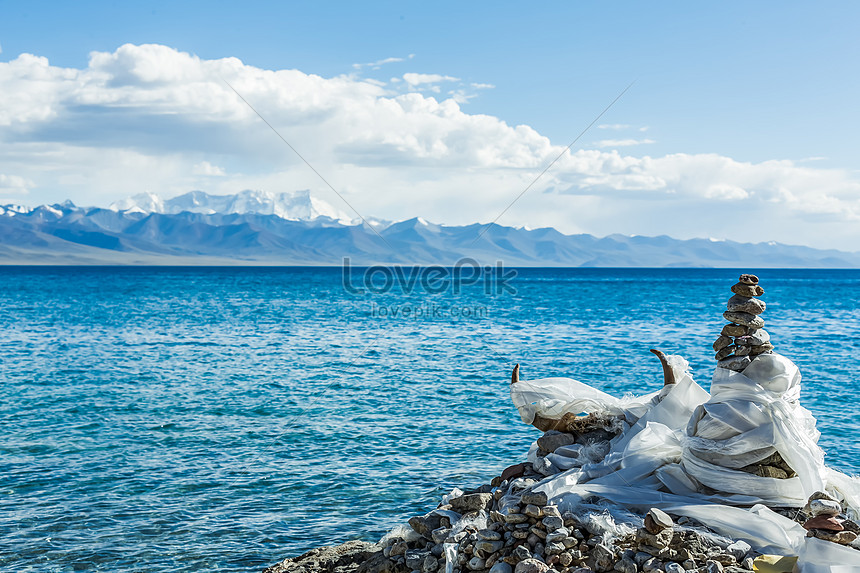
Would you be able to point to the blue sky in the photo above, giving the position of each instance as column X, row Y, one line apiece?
column 755, row 96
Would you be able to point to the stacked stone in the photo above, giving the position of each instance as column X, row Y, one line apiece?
column 745, row 337
column 828, row 521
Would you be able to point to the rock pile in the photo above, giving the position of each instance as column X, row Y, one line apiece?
column 513, row 529
column 827, row 520
column 744, row 337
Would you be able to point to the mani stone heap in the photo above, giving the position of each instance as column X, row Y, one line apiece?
column 745, row 337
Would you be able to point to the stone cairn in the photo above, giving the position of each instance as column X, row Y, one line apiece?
column 744, row 337
column 827, row 521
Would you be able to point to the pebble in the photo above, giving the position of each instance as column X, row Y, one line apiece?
column 557, row 535
column 739, row 549
column 824, row 507
column 552, row 522
column 755, row 338
column 744, row 318
column 743, row 350
column 627, row 565
column 531, row 566
column 522, row 553
column 501, row 567
column 476, row 563
column 472, row 502
column 828, row 522
column 712, row 566
column 747, row 290
column 673, row 568
column 750, row 305
column 660, row 519
column 604, row 558
column 761, row 349
column 534, row 498
column 736, row 363
column 551, row 510
column 532, row 510
column 540, row 533
column 725, row 353
column 722, row 342
column 488, row 547
column 489, row 535
column 514, row 518
column 748, row 279
column 735, row 330
column 840, row 537
column 553, row 440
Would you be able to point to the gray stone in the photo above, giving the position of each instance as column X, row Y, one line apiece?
column 476, row 563
column 539, row 532
column 555, row 548
column 534, row 498
column 736, row 363
column 472, row 502
column 657, row 541
column 626, row 565
column 557, row 535
column 489, row 535
column 488, row 546
column 722, row 342
column 744, row 318
column 521, row 552
column 430, row 564
column 840, row 537
column 604, row 558
column 748, row 279
column 747, row 290
column 552, row 523
column 551, row 510
column 440, row 535
column 743, row 350
column 739, row 550
column 532, row 510
column 761, row 349
column 673, row 568
column 424, row 525
column 531, row 566
column 514, row 518
column 824, row 507
column 725, row 352
column 755, row 338
column 660, row 518
column 415, row 558
column 501, row 567
column 712, row 566
column 749, row 305
column 734, row 330
column 552, row 440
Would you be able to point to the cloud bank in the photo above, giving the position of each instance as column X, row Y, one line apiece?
column 151, row 118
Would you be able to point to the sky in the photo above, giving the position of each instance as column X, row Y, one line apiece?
column 741, row 121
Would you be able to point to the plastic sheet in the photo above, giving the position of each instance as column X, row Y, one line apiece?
column 683, row 449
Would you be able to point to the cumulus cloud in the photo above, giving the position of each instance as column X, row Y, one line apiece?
column 148, row 117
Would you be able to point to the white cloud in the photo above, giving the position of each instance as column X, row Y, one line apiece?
column 152, row 118
column 207, row 169
column 414, row 79
column 379, row 63
column 15, row 184
column 480, row 86
column 621, row 127
column 623, row 142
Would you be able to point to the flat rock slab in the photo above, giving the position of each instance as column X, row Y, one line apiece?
column 744, row 318
column 740, row 303
column 747, row 290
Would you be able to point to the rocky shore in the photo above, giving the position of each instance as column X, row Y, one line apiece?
column 505, row 527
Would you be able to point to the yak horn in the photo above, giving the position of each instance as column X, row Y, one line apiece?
column 668, row 373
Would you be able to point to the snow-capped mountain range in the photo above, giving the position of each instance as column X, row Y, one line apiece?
column 296, row 206
column 260, row 228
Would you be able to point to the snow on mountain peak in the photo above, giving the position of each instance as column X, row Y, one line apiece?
column 297, row 206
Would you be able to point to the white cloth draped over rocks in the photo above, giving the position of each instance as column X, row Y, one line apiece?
column 681, row 449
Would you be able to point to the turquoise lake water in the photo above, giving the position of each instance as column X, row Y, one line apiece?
column 221, row 419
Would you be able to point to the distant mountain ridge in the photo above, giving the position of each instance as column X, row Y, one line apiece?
column 296, row 206
column 297, row 229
